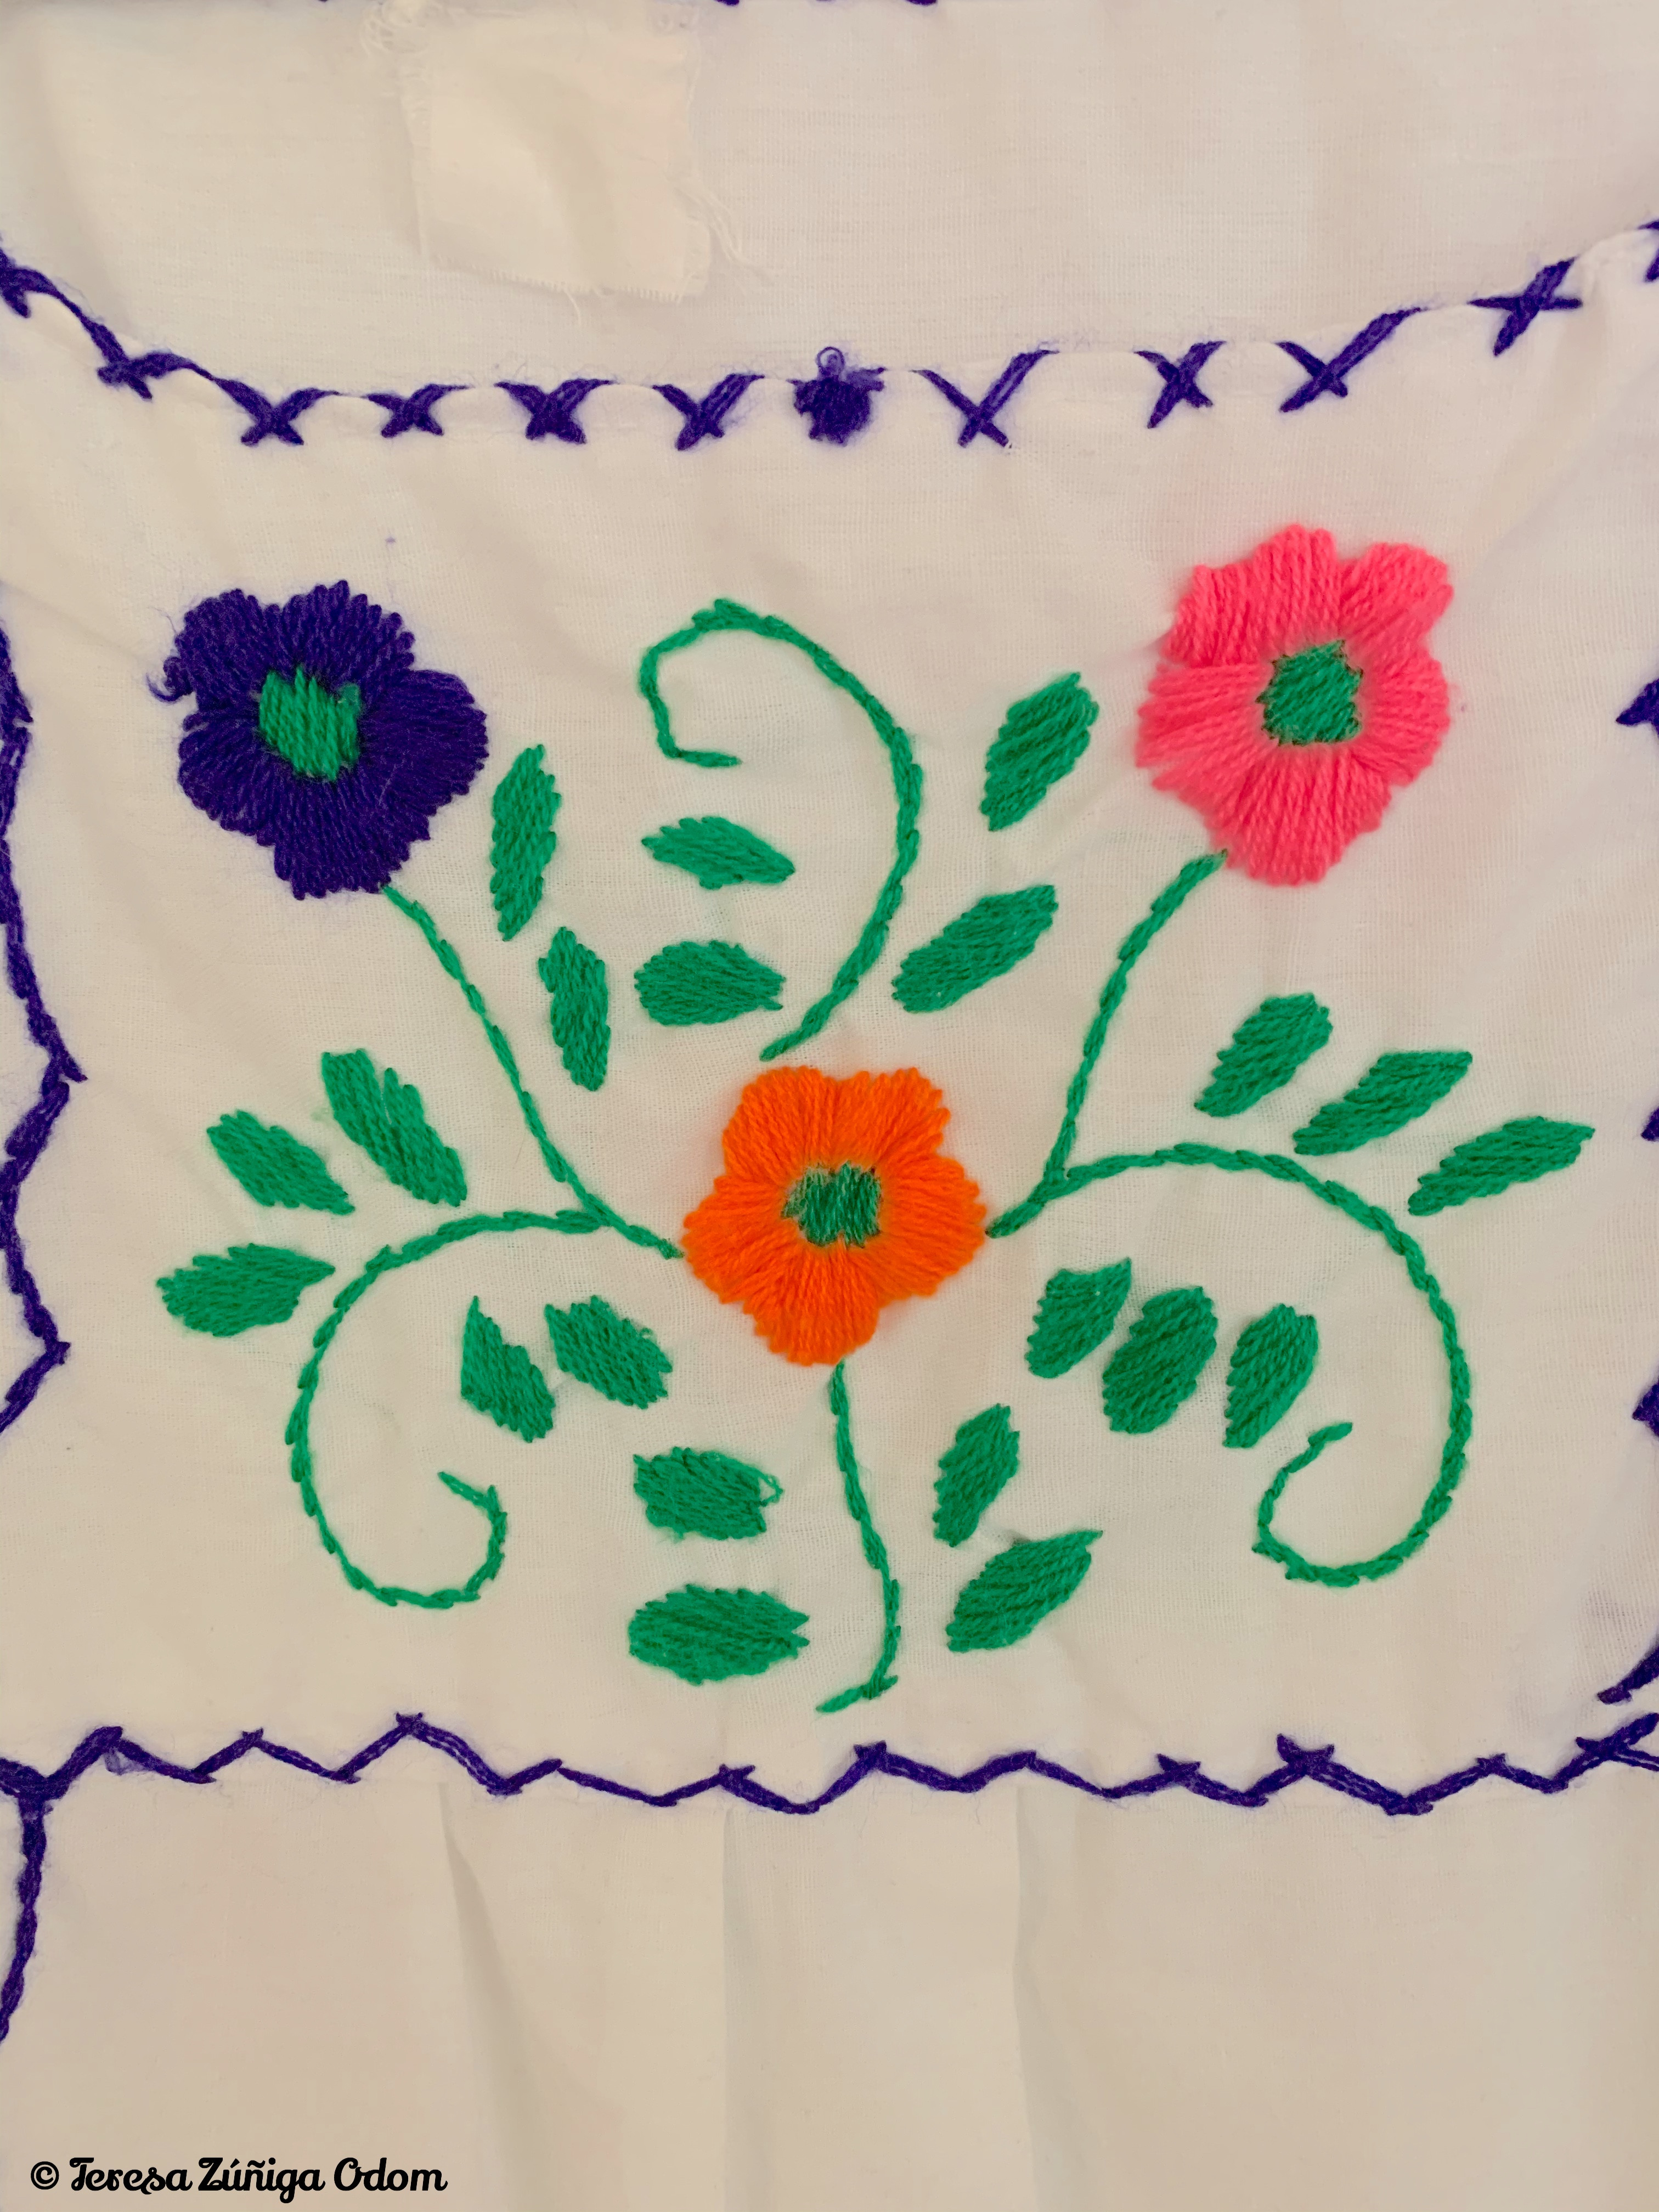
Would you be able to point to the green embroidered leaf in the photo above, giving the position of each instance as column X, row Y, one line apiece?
column 983, row 1459
column 1520, row 1152
column 718, row 852
column 685, row 984
column 386, row 1117
column 613, row 1355
column 501, row 1379
column 250, row 1287
column 710, row 1635
column 274, row 1168
column 1075, row 1317
column 1270, row 1365
column 1267, row 1048
column 1392, row 1091
column 579, row 1008
column 994, row 936
column 1005, row 1601
column 522, row 840
column 704, row 1493
column 1156, row 1369
column 1042, row 738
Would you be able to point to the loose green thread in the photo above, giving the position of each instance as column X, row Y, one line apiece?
column 522, row 840
column 1050, row 1183
column 274, row 1168
column 619, row 1357
column 1075, row 1317
column 1043, row 737
column 1157, row 1367
column 1021, row 1586
column 710, row 1635
column 1406, row 1248
column 250, row 1287
column 994, row 935
column 297, row 1435
column 687, row 986
column 313, row 729
column 556, row 1164
column 881, row 1677
column 704, row 1493
column 725, row 615
column 501, row 1379
column 1310, row 698
column 1272, row 1363
column 1267, row 1049
column 384, row 1115
column 982, row 1461
column 1393, row 1091
column 1520, row 1152
column 718, row 852
column 579, row 1008
column 835, row 1205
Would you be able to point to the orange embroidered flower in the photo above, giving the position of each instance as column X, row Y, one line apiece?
column 835, row 1202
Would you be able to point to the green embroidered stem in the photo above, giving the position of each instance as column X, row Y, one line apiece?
column 727, row 615
column 297, row 1435
column 1364, row 1215
column 881, row 1678
column 1052, row 1181
column 557, row 1166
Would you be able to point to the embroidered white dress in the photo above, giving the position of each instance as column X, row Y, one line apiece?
column 830, row 915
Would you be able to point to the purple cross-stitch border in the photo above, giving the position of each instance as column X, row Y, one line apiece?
column 837, row 414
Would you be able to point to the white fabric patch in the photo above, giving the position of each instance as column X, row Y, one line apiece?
column 554, row 147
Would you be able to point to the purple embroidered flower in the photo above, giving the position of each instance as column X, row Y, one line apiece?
column 314, row 733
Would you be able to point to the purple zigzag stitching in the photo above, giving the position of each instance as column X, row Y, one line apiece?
column 33, row 1792
column 27, row 1140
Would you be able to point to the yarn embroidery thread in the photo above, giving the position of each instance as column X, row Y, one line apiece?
column 1294, row 693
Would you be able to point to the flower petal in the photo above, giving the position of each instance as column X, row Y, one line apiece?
column 1201, row 733
column 1404, row 712
column 1281, row 596
column 1390, row 598
column 890, row 1123
column 932, row 1225
column 1299, row 811
column 778, row 1121
column 339, row 636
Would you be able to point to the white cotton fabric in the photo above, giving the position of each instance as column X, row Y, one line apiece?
column 1023, row 1998
column 553, row 146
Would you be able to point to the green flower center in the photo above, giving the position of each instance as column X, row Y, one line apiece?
column 1310, row 700
column 835, row 1205
column 314, row 729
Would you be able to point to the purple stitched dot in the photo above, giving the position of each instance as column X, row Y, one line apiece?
column 837, row 401
column 420, row 739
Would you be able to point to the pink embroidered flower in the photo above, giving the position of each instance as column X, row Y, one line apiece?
column 1295, row 692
